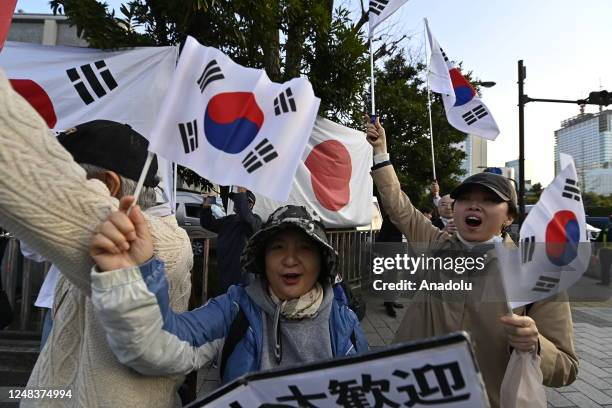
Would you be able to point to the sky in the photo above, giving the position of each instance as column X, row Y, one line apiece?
column 566, row 46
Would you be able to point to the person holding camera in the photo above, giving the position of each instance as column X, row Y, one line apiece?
column 232, row 231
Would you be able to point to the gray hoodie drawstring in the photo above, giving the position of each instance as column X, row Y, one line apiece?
column 278, row 348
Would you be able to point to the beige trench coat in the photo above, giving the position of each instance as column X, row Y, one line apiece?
column 433, row 316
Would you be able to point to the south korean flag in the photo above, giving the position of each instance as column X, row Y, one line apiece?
column 465, row 110
column 554, row 247
column 232, row 125
column 379, row 10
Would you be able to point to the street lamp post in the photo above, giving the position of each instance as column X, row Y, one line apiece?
column 485, row 84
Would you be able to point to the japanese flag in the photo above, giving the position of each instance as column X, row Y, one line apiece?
column 465, row 111
column 332, row 178
column 232, row 125
column 554, row 248
column 379, row 10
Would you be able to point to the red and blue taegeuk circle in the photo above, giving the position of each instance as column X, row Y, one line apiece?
column 562, row 238
column 464, row 92
column 232, row 121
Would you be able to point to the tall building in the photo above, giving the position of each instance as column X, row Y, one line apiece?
column 529, row 171
column 588, row 139
column 475, row 149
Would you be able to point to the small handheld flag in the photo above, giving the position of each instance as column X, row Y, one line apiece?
column 232, row 125
column 465, row 110
column 379, row 10
column 554, row 247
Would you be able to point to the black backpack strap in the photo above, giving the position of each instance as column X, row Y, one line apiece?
column 236, row 333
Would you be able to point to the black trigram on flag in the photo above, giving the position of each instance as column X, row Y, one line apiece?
column 571, row 190
column 444, row 55
column 189, row 135
column 263, row 151
column 212, row 72
column 88, row 76
column 475, row 114
column 284, row 102
column 377, row 6
column 545, row 284
column 527, row 249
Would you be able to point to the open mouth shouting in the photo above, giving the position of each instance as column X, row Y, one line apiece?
column 291, row 278
column 473, row 221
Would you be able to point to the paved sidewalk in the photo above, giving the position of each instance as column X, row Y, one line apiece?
column 593, row 341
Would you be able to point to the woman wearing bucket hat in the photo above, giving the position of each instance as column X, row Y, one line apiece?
column 485, row 205
column 287, row 316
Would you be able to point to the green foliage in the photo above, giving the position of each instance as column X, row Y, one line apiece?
column 533, row 195
column 596, row 200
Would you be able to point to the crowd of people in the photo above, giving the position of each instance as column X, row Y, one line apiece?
column 121, row 332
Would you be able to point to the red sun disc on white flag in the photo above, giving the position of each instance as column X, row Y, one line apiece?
column 330, row 168
column 37, row 97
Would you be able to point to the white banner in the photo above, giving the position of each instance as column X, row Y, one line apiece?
column 72, row 85
column 379, row 10
column 438, row 372
column 465, row 110
column 333, row 178
column 232, row 125
column 554, row 248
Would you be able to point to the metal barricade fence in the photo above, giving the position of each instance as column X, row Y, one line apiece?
column 21, row 280
column 353, row 248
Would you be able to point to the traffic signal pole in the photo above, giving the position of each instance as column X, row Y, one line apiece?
column 601, row 98
column 522, row 74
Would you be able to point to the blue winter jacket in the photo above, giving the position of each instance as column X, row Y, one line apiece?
column 145, row 334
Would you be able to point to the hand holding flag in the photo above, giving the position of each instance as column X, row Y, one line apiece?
column 554, row 247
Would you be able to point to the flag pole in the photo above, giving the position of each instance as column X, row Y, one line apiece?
column 141, row 180
column 433, row 158
column 174, row 183
column 373, row 111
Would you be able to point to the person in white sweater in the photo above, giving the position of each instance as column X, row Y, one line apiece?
column 54, row 205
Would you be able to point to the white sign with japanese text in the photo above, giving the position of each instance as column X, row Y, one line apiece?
column 438, row 372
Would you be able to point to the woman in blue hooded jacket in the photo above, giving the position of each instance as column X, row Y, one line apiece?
column 289, row 313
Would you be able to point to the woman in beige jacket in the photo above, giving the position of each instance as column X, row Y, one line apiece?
column 485, row 204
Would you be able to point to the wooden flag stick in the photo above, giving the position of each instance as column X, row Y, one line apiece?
column 141, row 180
column 433, row 157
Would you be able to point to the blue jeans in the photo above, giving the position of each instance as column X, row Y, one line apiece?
column 46, row 329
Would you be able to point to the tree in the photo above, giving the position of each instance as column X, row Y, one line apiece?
column 534, row 194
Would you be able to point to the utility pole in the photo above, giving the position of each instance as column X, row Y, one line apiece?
column 601, row 98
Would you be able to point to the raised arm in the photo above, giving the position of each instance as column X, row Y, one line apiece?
column 133, row 305
column 208, row 220
column 241, row 203
column 143, row 331
column 408, row 219
column 45, row 198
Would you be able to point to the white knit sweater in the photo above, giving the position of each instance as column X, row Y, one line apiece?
column 46, row 201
